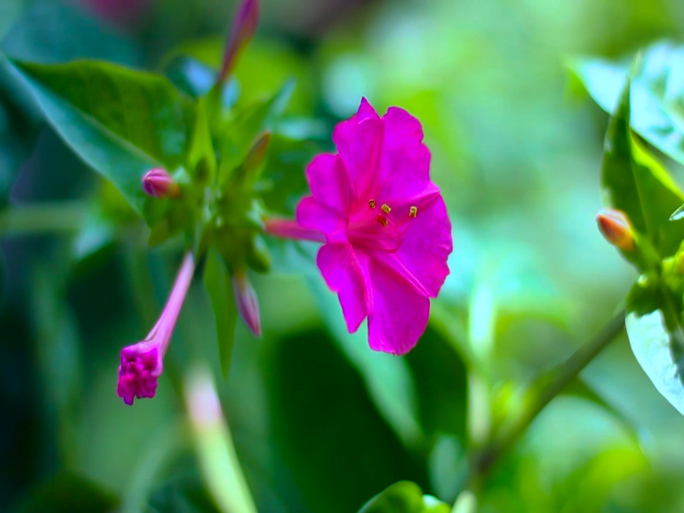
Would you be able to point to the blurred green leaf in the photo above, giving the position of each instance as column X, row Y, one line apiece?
column 120, row 122
column 434, row 362
column 68, row 493
column 404, row 497
column 284, row 183
column 59, row 354
column 448, row 467
column 184, row 493
column 639, row 185
column 202, row 158
column 56, row 31
column 190, row 75
column 387, row 378
column 238, row 134
column 220, row 291
column 316, row 400
column 657, row 93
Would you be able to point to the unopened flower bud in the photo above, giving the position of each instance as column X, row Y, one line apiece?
column 256, row 156
column 616, row 228
column 143, row 363
column 247, row 302
column 159, row 184
column 244, row 28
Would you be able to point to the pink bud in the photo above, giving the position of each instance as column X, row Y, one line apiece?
column 243, row 29
column 159, row 184
column 616, row 228
column 247, row 301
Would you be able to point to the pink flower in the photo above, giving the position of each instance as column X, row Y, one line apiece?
column 386, row 227
column 158, row 183
column 143, row 363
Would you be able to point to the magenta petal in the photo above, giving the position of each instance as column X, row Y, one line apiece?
column 426, row 246
column 405, row 161
column 344, row 273
column 329, row 182
column 358, row 142
column 400, row 311
column 312, row 214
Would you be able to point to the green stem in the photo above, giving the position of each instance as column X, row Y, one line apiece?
column 64, row 216
column 487, row 458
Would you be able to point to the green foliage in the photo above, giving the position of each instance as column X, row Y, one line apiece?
column 320, row 423
column 120, row 122
column 404, row 497
column 637, row 184
column 656, row 96
column 69, row 493
column 220, row 290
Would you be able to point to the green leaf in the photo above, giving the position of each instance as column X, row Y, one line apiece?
column 202, row 158
column 654, row 328
column 386, row 377
column 657, row 99
column 404, row 497
column 238, row 134
column 220, row 290
column 119, row 121
column 284, row 183
column 636, row 183
column 69, row 493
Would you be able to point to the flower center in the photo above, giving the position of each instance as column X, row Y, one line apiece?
column 383, row 229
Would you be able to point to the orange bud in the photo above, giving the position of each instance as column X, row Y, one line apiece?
column 616, row 228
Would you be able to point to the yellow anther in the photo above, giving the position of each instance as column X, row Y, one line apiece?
column 386, row 208
column 371, row 204
column 413, row 211
column 382, row 220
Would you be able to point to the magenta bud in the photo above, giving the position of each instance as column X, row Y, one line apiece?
column 159, row 184
column 247, row 302
column 243, row 29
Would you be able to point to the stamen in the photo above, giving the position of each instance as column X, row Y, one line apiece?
column 382, row 220
column 371, row 204
column 386, row 208
column 413, row 211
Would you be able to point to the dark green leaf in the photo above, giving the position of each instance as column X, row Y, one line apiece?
column 636, row 183
column 315, row 399
column 120, row 122
column 387, row 378
column 657, row 99
column 220, row 290
column 404, row 497
column 69, row 493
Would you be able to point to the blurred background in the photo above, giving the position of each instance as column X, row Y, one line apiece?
column 320, row 423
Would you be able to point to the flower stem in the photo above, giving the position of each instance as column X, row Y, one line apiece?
column 485, row 459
